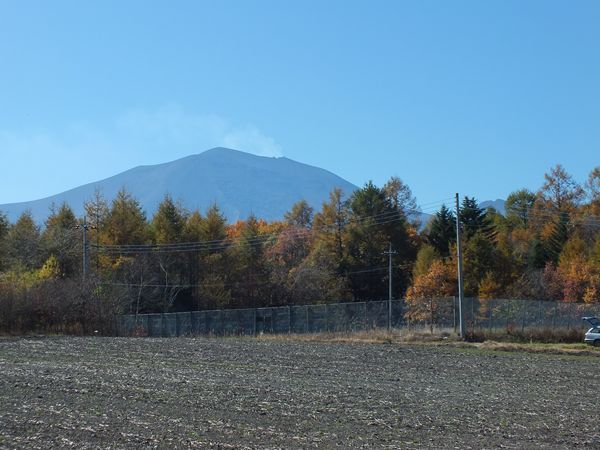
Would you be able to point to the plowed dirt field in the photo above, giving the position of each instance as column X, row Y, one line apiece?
column 68, row 392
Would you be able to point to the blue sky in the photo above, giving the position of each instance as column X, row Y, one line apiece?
column 474, row 97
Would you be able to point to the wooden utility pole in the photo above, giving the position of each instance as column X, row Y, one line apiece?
column 461, row 310
column 84, row 227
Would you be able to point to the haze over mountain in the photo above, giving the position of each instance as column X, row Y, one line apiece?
column 239, row 183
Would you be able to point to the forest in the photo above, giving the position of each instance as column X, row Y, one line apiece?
column 73, row 274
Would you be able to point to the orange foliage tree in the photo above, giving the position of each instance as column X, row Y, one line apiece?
column 427, row 297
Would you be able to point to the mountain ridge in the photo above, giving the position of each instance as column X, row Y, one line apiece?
column 239, row 183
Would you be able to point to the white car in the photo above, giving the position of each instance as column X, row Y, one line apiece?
column 592, row 337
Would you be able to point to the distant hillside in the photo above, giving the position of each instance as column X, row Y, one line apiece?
column 498, row 205
column 239, row 183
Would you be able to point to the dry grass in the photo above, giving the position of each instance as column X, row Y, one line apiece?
column 441, row 337
column 542, row 335
column 378, row 336
column 555, row 349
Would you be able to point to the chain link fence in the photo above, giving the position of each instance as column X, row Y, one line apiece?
column 480, row 315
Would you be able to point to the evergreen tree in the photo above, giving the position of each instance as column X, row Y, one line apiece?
column 474, row 219
column 537, row 256
column 374, row 224
column 556, row 241
column 442, row 231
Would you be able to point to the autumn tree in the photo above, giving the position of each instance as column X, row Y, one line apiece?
column 401, row 198
column 426, row 255
column 61, row 241
column 427, row 297
column 329, row 230
column 248, row 265
column 167, row 227
column 560, row 192
column 519, row 205
column 125, row 223
column 4, row 228
column 301, row 215
column 23, row 243
column 479, row 258
column 96, row 212
column 210, row 275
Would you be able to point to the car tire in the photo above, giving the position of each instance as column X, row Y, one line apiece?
column 596, row 343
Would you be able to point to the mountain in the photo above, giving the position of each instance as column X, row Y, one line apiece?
column 497, row 204
column 239, row 183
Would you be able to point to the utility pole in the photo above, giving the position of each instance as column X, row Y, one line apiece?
column 84, row 227
column 461, row 311
column 390, row 252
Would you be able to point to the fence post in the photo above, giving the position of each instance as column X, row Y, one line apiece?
column 254, row 323
column 523, row 314
column 306, row 316
column 289, row 319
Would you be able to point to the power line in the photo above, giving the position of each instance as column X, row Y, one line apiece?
column 216, row 245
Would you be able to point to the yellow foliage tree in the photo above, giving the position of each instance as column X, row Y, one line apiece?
column 427, row 297
column 50, row 270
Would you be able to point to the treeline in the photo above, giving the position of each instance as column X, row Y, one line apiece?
column 545, row 246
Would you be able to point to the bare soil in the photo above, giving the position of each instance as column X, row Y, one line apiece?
column 67, row 392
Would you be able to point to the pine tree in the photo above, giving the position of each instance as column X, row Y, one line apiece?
column 442, row 231
column 374, row 224
column 556, row 241
column 474, row 220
